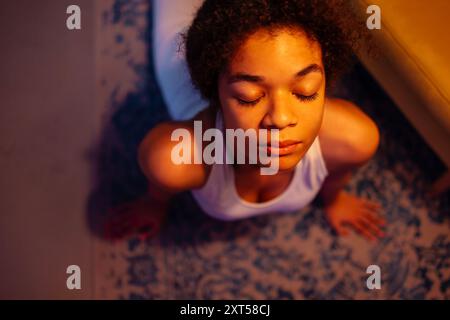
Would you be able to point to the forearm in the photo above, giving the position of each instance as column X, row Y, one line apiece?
column 158, row 195
column 333, row 184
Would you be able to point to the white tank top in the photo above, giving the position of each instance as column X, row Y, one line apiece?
column 219, row 197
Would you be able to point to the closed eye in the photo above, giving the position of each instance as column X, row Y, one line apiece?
column 307, row 98
column 248, row 103
column 299, row 96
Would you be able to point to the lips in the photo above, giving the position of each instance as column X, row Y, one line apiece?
column 287, row 143
column 285, row 147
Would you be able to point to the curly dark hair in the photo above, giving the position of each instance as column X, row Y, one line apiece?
column 221, row 26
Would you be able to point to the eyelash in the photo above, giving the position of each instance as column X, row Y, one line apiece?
column 299, row 96
column 249, row 103
column 307, row 98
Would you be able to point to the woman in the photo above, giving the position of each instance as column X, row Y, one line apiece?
column 260, row 64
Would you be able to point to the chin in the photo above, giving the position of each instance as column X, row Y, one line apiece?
column 289, row 162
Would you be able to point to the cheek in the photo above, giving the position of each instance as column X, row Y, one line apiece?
column 313, row 111
column 310, row 119
column 236, row 116
column 229, row 114
column 318, row 113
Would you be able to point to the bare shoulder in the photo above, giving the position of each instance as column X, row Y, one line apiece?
column 155, row 155
column 348, row 136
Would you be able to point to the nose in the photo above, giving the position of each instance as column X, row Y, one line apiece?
column 280, row 115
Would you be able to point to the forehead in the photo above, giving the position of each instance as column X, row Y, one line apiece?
column 280, row 49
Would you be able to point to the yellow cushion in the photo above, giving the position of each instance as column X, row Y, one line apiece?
column 416, row 35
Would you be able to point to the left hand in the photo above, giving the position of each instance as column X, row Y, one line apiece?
column 362, row 215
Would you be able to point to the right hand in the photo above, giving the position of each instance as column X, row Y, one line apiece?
column 142, row 217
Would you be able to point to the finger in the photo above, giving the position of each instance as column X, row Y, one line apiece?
column 361, row 229
column 341, row 230
column 374, row 218
column 375, row 211
column 372, row 227
column 372, row 204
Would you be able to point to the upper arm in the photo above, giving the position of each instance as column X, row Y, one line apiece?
column 155, row 160
column 348, row 136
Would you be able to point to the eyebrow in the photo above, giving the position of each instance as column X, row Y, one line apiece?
column 255, row 78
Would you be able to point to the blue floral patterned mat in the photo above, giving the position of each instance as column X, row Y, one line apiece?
column 279, row 256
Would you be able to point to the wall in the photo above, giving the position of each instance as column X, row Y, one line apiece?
column 48, row 120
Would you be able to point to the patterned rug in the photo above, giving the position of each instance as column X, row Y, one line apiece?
column 280, row 256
